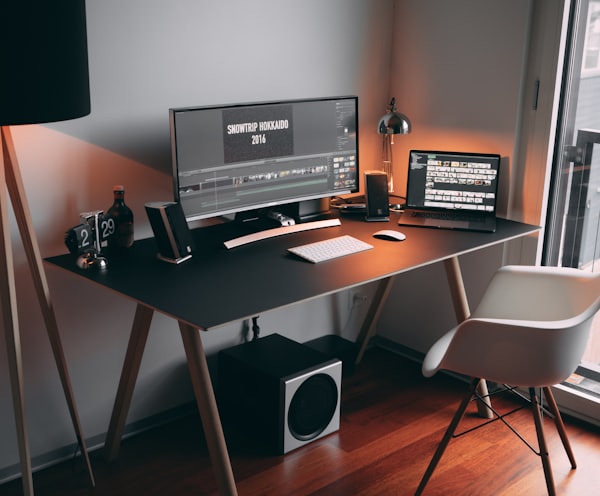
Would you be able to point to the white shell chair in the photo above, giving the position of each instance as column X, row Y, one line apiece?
column 530, row 330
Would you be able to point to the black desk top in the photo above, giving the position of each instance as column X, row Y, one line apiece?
column 218, row 286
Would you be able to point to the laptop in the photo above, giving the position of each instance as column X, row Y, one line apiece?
column 451, row 190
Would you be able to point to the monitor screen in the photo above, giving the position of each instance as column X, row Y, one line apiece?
column 234, row 158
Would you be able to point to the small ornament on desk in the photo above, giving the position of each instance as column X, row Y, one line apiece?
column 122, row 236
column 88, row 238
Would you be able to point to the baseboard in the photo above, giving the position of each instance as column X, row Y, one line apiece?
column 410, row 354
column 93, row 443
column 398, row 349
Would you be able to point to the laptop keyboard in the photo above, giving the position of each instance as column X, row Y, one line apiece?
column 449, row 216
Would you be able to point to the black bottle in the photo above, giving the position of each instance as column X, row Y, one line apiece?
column 121, row 214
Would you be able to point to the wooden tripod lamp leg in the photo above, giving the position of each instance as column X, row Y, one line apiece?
column 10, row 323
column 14, row 184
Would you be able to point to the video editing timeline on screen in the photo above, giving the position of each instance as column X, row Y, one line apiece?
column 236, row 158
column 458, row 183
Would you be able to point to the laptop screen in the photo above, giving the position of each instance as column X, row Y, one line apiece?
column 452, row 181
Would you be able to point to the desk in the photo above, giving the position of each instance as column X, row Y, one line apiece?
column 219, row 286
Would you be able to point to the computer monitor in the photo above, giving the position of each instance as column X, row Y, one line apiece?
column 229, row 159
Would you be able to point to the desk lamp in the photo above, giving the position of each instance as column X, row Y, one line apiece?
column 390, row 124
column 43, row 56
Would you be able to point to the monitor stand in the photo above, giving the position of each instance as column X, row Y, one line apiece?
column 283, row 219
column 312, row 209
column 297, row 211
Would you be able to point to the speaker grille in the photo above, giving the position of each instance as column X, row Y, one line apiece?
column 312, row 407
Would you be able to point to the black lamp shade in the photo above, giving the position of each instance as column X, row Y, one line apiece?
column 43, row 61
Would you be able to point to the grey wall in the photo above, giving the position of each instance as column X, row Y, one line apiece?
column 147, row 56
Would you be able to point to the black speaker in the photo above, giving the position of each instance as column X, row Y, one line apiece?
column 170, row 231
column 283, row 393
column 377, row 198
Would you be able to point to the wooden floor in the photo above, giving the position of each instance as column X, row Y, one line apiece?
column 391, row 420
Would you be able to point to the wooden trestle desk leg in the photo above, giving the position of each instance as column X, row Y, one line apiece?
column 129, row 373
column 369, row 325
column 207, row 406
column 462, row 311
column 202, row 389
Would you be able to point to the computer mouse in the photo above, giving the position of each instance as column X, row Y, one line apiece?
column 390, row 235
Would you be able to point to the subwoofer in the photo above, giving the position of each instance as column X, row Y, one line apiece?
column 286, row 393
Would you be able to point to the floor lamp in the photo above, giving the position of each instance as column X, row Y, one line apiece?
column 44, row 79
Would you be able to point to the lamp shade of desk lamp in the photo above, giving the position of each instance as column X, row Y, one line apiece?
column 391, row 123
column 44, row 67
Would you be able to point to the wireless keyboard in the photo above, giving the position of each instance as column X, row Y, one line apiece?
column 327, row 249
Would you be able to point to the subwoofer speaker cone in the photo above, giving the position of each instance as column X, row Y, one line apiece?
column 312, row 407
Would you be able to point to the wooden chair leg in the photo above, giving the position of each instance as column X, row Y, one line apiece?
column 560, row 426
column 447, row 436
column 539, row 428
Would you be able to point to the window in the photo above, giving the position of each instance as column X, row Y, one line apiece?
column 591, row 49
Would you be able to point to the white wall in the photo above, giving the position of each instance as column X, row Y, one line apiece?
column 144, row 58
column 454, row 67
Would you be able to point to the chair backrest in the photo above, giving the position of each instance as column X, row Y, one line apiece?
column 540, row 293
column 530, row 329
